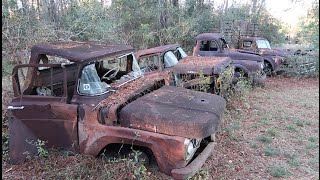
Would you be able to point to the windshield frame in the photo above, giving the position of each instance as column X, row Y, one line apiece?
column 135, row 68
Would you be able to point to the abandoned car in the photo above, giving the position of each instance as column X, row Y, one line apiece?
column 273, row 58
column 88, row 96
column 249, row 64
column 196, row 73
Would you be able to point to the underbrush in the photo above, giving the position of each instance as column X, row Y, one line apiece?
column 300, row 66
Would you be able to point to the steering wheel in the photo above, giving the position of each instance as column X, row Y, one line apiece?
column 43, row 91
column 109, row 77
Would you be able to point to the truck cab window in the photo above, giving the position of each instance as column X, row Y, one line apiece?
column 209, row 46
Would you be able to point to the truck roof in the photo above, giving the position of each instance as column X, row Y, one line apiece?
column 155, row 50
column 208, row 36
column 80, row 51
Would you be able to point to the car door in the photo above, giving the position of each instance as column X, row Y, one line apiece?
column 45, row 115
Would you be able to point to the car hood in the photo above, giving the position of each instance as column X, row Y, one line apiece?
column 274, row 52
column 205, row 65
column 175, row 111
column 237, row 54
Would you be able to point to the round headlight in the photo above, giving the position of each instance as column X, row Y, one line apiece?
column 191, row 147
column 261, row 65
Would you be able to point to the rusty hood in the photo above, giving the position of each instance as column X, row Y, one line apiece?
column 201, row 64
column 175, row 111
column 244, row 55
column 274, row 52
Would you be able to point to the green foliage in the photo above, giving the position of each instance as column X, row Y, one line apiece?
column 270, row 151
column 42, row 151
column 278, row 171
column 300, row 66
column 5, row 144
column 265, row 139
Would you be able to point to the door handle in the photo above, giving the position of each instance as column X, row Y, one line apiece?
column 15, row 107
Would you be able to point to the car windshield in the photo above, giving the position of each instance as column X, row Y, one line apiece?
column 107, row 73
column 90, row 83
column 263, row 44
column 170, row 59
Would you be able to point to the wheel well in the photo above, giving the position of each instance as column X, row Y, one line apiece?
column 120, row 149
column 267, row 62
column 238, row 69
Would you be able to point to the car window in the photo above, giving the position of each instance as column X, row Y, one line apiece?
column 90, row 83
column 149, row 63
column 209, row 46
column 247, row 43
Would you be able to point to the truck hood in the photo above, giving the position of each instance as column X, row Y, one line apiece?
column 274, row 52
column 205, row 65
column 175, row 111
column 244, row 55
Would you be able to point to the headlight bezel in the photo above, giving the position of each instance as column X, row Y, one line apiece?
column 191, row 146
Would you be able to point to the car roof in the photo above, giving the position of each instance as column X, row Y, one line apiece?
column 208, row 36
column 76, row 51
column 156, row 50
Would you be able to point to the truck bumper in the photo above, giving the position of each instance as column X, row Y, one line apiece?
column 195, row 165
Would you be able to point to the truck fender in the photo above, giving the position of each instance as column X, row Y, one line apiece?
column 239, row 66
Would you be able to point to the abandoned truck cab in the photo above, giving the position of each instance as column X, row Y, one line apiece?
column 87, row 96
column 249, row 64
column 273, row 58
column 180, row 70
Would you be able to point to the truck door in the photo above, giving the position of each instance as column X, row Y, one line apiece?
column 41, row 111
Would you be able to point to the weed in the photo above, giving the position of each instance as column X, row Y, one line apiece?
column 313, row 139
column 41, row 150
column 270, row 151
column 294, row 161
column 278, row 171
column 271, row 132
column 292, row 127
column 311, row 145
column 254, row 145
column 201, row 175
column 265, row 139
column 5, row 144
column 299, row 122
column 264, row 121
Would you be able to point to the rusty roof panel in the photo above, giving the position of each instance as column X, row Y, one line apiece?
column 155, row 50
column 208, row 36
column 80, row 51
column 175, row 111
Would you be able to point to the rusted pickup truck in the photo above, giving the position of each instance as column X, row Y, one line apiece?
column 273, row 58
column 87, row 97
column 249, row 64
column 196, row 73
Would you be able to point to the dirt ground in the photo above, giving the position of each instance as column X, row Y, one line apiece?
column 268, row 133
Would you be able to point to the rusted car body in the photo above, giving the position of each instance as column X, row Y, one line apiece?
column 273, row 58
column 171, row 62
column 95, row 95
column 249, row 63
